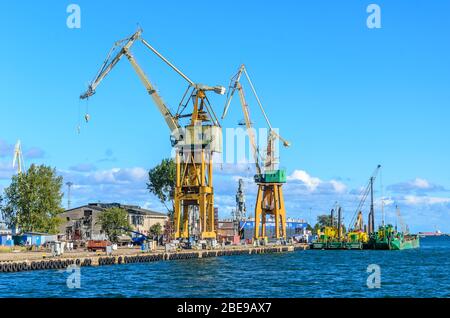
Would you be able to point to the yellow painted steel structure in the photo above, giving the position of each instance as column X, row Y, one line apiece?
column 194, row 144
column 270, row 201
column 194, row 179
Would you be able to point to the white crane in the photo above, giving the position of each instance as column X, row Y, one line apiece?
column 18, row 158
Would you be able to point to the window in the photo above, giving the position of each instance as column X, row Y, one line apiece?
column 137, row 220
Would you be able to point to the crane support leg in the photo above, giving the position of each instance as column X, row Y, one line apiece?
column 194, row 191
column 282, row 211
column 258, row 213
column 185, row 232
column 270, row 201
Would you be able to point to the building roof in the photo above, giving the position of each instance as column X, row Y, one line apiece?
column 131, row 209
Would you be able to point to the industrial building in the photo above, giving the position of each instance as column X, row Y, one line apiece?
column 233, row 231
column 34, row 239
column 82, row 223
column 293, row 228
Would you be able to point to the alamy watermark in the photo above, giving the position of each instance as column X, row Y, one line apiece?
column 374, row 19
column 73, row 281
column 374, row 279
column 74, row 19
column 238, row 146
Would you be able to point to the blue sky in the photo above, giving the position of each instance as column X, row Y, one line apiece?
column 346, row 96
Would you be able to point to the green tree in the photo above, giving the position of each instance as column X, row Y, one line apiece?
column 114, row 222
column 156, row 229
column 32, row 201
column 322, row 221
column 325, row 220
column 162, row 183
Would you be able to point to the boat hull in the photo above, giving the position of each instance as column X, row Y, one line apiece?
column 405, row 244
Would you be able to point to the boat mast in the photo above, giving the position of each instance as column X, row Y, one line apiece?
column 371, row 214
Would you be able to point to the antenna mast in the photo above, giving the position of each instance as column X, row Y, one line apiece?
column 69, row 186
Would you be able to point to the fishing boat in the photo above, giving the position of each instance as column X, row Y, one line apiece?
column 388, row 238
column 330, row 237
column 365, row 237
column 356, row 240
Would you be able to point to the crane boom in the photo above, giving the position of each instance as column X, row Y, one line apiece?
column 171, row 121
column 236, row 85
column 107, row 66
column 250, row 129
column 364, row 194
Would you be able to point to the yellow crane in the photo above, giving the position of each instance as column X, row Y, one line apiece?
column 269, row 199
column 194, row 142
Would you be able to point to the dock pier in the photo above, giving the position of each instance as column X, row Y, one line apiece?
column 142, row 257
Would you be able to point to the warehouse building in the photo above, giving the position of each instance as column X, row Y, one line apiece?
column 82, row 223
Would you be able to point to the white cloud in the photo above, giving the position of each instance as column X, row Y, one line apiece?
column 109, row 176
column 314, row 184
column 425, row 200
column 6, row 170
column 418, row 185
column 83, row 167
column 421, row 183
column 338, row 186
column 301, row 175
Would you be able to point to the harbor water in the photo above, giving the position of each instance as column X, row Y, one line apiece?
column 313, row 273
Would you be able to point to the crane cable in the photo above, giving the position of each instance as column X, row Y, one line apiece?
column 382, row 197
column 79, row 117
column 257, row 98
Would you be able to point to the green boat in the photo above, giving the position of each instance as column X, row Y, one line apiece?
column 388, row 238
column 319, row 245
column 336, row 245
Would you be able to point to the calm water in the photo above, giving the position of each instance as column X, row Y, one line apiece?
column 409, row 273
